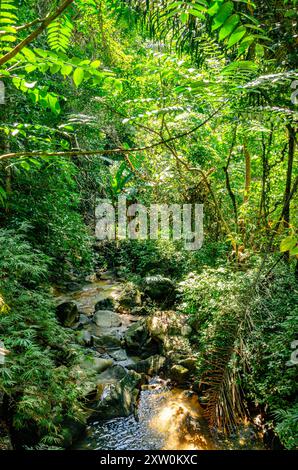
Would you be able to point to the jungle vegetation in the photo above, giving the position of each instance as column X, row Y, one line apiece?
column 166, row 102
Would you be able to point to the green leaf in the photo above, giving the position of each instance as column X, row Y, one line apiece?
column 95, row 64
column 78, row 77
column 236, row 36
column 222, row 15
column 288, row 243
column 229, row 26
column 66, row 70
column 184, row 17
column 213, row 9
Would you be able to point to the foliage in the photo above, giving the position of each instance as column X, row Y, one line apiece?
column 189, row 101
column 258, row 367
column 34, row 375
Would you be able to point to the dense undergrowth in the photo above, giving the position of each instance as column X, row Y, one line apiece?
column 213, row 106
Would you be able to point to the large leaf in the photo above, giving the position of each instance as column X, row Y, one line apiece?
column 236, row 36
column 78, row 76
column 288, row 243
column 229, row 26
column 222, row 15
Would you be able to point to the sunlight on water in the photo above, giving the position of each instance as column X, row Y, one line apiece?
column 180, row 420
column 167, row 419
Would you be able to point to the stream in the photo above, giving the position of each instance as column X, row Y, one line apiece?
column 167, row 418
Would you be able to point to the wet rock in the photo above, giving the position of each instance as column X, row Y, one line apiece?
column 82, row 322
column 118, row 355
column 189, row 363
column 105, row 304
column 119, row 399
column 106, row 319
column 179, row 374
column 130, row 297
column 105, row 276
column 160, row 289
column 72, row 430
column 83, row 319
column 150, row 366
column 111, row 375
column 138, row 340
column 142, row 310
column 84, row 338
column 97, row 364
column 67, row 314
column 106, row 341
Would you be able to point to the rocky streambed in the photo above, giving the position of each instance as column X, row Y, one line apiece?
column 136, row 377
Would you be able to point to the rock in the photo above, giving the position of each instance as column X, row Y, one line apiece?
column 105, row 276
column 106, row 319
column 189, row 363
column 67, row 313
column 119, row 399
column 105, row 304
column 97, row 364
column 119, row 355
column 130, row 297
column 179, row 374
column 142, row 310
column 111, row 375
column 161, row 289
column 83, row 319
column 139, row 341
column 106, row 341
column 186, row 330
column 91, row 277
column 84, row 338
column 72, row 430
column 150, row 366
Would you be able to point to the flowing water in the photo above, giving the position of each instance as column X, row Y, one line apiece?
column 168, row 418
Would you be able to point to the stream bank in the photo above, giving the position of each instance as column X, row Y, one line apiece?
column 137, row 377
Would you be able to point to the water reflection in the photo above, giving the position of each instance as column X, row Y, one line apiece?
column 167, row 419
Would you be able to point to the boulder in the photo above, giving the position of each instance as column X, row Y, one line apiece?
column 130, row 297
column 189, row 363
column 111, row 375
column 97, row 364
column 106, row 341
column 139, row 341
column 106, row 319
column 179, row 374
column 119, row 399
column 67, row 314
column 160, row 289
column 150, row 366
column 105, row 304
column 118, row 355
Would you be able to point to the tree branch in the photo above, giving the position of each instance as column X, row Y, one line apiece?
column 72, row 153
column 45, row 23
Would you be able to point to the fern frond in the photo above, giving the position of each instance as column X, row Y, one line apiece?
column 8, row 20
column 59, row 34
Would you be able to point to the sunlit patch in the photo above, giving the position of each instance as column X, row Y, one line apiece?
column 180, row 419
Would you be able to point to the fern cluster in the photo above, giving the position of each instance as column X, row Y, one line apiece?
column 59, row 33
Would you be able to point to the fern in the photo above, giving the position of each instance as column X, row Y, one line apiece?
column 59, row 34
column 8, row 20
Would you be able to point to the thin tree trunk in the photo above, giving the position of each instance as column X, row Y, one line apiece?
column 247, row 173
column 287, row 200
column 291, row 153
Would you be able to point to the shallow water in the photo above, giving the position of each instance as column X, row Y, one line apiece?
column 161, row 424
column 168, row 418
